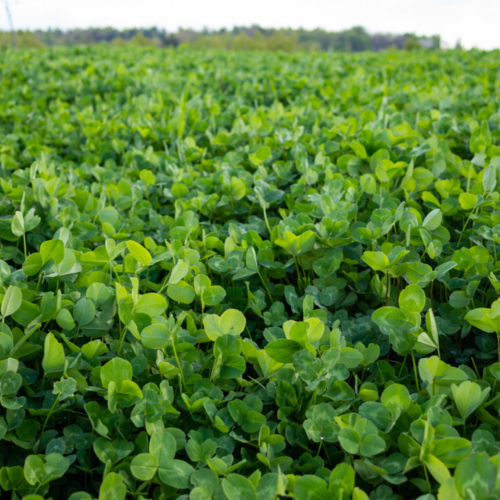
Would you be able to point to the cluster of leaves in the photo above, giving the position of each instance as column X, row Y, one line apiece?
column 249, row 276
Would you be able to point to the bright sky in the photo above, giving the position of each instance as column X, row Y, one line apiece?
column 475, row 22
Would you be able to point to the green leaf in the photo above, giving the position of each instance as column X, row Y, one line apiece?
column 34, row 469
column 113, row 488
column 12, row 301
column 156, row 336
column 18, row 224
column 433, row 220
column 162, row 447
column 391, row 318
column 213, row 295
column 84, row 312
column 468, row 397
column 237, row 487
column 467, row 201
column 52, row 249
column 178, row 272
column 232, row 322
column 32, row 264
column 65, row 388
column 480, row 138
column 297, row 245
column 181, row 292
column 350, row 439
column 310, row 487
column 342, row 481
column 139, row 253
column 475, row 476
column 116, row 370
column 412, row 299
column 283, row 350
column 53, row 355
column 489, row 178
column 151, row 304
column 144, row 466
column 378, row 261
column 395, row 397
column 176, row 473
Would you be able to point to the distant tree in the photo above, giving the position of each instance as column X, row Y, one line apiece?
column 411, row 43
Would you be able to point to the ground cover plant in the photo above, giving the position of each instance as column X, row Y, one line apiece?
column 249, row 276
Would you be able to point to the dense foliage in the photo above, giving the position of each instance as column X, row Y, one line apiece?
column 355, row 39
column 243, row 276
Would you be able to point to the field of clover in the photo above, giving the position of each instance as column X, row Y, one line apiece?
column 247, row 276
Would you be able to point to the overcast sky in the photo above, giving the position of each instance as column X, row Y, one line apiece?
column 475, row 22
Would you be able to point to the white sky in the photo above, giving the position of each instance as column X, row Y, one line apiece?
column 475, row 22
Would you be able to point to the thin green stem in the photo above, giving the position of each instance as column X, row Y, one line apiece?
column 427, row 478
column 48, row 416
column 402, row 366
column 299, row 278
column 21, row 342
column 414, row 366
column 265, row 286
column 90, row 445
column 465, row 225
column 122, row 337
column 267, row 222
column 319, row 447
column 146, row 282
column 183, row 381
column 387, row 288
column 117, row 277
column 250, row 212
column 476, row 370
column 213, row 369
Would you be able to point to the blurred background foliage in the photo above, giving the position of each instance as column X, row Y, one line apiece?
column 355, row 39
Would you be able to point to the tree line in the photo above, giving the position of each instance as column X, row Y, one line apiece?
column 356, row 39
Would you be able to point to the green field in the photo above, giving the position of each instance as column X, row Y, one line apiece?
column 249, row 275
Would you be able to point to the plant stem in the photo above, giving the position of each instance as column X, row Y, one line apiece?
column 267, row 222
column 299, row 279
column 213, row 369
column 465, row 225
column 146, row 282
column 265, row 286
column 402, row 366
column 387, row 288
column 414, row 366
column 90, row 446
column 183, row 382
column 48, row 416
column 122, row 337
column 319, row 448
column 427, row 478
column 477, row 371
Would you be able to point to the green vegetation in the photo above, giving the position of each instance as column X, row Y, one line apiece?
column 356, row 39
column 249, row 275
